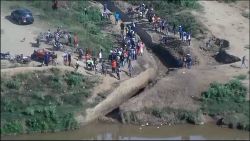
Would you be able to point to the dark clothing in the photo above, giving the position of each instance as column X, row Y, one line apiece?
column 122, row 26
column 174, row 28
column 69, row 59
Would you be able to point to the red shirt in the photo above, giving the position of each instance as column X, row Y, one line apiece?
column 113, row 64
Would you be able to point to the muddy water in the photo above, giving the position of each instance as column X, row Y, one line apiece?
column 100, row 131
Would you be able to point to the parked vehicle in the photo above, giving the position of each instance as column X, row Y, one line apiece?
column 22, row 16
column 39, row 54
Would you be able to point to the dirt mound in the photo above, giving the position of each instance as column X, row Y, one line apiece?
column 222, row 43
column 225, row 58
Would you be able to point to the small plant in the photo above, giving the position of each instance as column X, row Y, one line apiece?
column 241, row 77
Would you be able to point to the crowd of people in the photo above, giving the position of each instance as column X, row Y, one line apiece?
column 161, row 25
column 61, row 34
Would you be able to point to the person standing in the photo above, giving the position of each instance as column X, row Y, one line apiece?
column 180, row 31
column 189, row 61
column 117, row 17
column 113, row 64
column 46, row 59
column 69, row 38
column 85, row 11
column 189, row 38
column 100, row 56
column 122, row 28
column 69, row 59
column 174, row 28
column 95, row 64
column 243, row 61
column 65, row 58
column 118, row 71
column 77, row 64
column 130, row 68
column 76, row 40
column 122, row 58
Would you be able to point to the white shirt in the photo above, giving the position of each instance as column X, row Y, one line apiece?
column 100, row 55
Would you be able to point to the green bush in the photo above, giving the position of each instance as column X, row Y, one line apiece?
column 73, row 79
column 229, row 101
column 12, row 127
column 13, row 84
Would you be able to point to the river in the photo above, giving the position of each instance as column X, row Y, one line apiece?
column 104, row 131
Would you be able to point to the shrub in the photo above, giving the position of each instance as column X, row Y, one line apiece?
column 12, row 127
column 228, row 100
column 241, row 77
column 13, row 84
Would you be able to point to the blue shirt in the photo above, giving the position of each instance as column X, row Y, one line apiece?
column 117, row 16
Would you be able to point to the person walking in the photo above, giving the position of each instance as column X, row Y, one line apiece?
column 69, row 58
column 243, row 61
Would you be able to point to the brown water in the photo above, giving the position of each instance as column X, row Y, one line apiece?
column 100, row 131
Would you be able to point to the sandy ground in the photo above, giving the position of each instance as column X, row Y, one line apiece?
column 225, row 21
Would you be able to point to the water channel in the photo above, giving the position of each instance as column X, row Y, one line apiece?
column 104, row 131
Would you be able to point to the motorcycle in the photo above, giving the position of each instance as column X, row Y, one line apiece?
column 5, row 55
column 21, row 59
